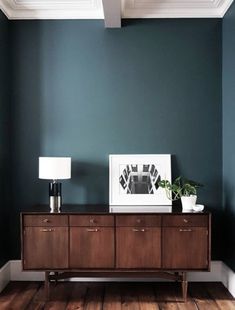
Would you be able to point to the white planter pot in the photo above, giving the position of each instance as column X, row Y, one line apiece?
column 188, row 202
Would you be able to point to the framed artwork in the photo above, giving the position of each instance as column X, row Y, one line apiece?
column 133, row 179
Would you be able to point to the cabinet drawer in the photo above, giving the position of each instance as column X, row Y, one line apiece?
column 138, row 247
column 45, row 220
column 45, row 248
column 185, row 220
column 185, row 248
column 138, row 220
column 91, row 220
column 91, row 247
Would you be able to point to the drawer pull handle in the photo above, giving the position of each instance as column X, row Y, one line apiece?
column 139, row 230
column 47, row 230
column 186, row 221
column 138, row 221
column 185, row 230
column 93, row 230
column 45, row 221
column 92, row 221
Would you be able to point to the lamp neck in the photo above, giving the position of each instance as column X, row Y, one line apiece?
column 54, row 189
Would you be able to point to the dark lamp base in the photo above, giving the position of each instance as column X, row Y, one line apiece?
column 55, row 197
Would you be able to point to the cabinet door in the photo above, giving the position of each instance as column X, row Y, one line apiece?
column 91, row 247
column 45, row 247
column 185, row 248
column 138, row 247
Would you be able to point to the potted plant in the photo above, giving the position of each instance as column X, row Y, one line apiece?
column 183, row 189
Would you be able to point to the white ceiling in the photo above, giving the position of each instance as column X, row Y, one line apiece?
column 93, row 9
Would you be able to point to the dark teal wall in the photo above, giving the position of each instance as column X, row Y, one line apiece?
column 81, row 90
column 229, row 133
column 4, row 138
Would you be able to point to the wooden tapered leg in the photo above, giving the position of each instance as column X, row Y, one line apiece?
column 47, row 285
column 184, row 286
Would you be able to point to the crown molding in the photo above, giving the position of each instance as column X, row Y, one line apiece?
column 175, row 9
column 225, row 6
column 5, row 8
column 93, row 9
column 73, row 9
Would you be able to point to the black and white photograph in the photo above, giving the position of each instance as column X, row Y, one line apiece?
column 134, row 179
column 139, row 179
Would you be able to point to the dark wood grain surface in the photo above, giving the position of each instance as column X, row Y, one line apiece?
column 185, row 248
column 185, row 220
column 91, row 220
column 138, row 220
column 45, row 248
column 56, row 242
column 138, row 247
column 46, row 220
column 116, row 296
column 91, row 247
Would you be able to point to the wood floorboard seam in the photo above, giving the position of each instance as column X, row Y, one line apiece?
column 85, row 297
column 195, row 302
column 208, row 299
column 211, row 297
column 217, row 299
column 196, row 305
column 30, row 301
column 189, row 294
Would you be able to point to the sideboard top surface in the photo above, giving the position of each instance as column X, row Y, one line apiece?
column 103, row 209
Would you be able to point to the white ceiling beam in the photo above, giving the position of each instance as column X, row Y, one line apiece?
column 112, row 13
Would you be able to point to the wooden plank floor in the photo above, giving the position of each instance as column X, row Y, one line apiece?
column 116, row 296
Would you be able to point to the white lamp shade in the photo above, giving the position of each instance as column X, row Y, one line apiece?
column 54, row 168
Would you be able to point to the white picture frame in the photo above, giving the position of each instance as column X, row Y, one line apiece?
column 133, row 179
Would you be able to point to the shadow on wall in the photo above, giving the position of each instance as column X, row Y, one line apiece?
column 228, row 225
column 175, row 167
column 217, row 223
column 27, row 125
column 93, row 179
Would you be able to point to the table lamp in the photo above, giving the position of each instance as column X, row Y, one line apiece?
column 55, row 168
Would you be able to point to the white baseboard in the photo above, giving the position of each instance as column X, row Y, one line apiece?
column 228, row 278
column 17, row 274
column 12, row 271
column 5, row 275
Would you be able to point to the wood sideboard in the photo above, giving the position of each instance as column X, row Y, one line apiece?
column 140, row 245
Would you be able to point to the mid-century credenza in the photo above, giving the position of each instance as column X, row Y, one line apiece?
column 92, row 242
